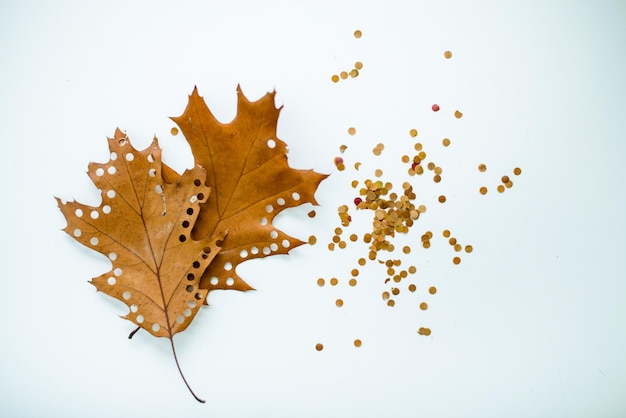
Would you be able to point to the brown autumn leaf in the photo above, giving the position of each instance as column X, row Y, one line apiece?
column 164, row 232
column 143, row 226
column 252, row 182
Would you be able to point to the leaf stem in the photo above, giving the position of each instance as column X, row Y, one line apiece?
column 132, row 334
column 181, row 372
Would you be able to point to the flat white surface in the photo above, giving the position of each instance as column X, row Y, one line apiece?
column 531, row 324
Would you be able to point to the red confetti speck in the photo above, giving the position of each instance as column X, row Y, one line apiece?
column 413, row 166
column 357, row 200
column 338, row 160
column 435, row 107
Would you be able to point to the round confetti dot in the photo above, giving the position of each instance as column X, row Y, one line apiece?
column 423, row 306
column 447, row 55
column 500, row 188
column 469, row 248
column 413, row 133
column 312, row 214
column 362, row 261
column 435, row 107
column 351, row 131
column 509, row 184
column 335, row 78
column 339, row 303
column 483, row 190
column 412, row 288
column 343, row 75
column 406, row 249
column 517, row 171
column 505, row 179
column 446, row 233
column 355, row 272
column 334, row 281
column 445, row 142
column 358, row 34
column 391, row 303
column 456, row 260
column 320, row 282
column 358, row 65
column 442, row 199
column 482, row 168
column 424, row 331
column 378, row 172
column 458, row 114
column 312, row 240
column 412, row 269
column 432, row 290
column 174, row 131
column 319, row 346
column 352, row 282
column 354, row 73
column 357, row 343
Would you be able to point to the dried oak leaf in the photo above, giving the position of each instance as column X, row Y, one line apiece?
column 252, row 182
column 143, row 225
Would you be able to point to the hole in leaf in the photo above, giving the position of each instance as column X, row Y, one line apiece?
column 133, row 308
column 111, row 170
column 100, row 172
column 117, row 272
column 152, row 172
column 190, row 211
column 126, row 295
column 230, row 281
column 139, row 319
column 187, row 312
column 77, row 232
column 243, row 254
column 295, row 196
column 228, row 266
column 196, row 264
column 106, row 209
column 113, row 256
column 158, row 189
column 150, row 158
column 190, row 276
column 271, row 143
column 263, row 221
column 94, row 214
column 197, row 182
column 156, row 327
column 274, row 246
column 130, row 156
column 285, row 243
column 280, row 201
column 274, row 234
column 93, row 241
column 111, row 194
column 78, row 213
column 214, row 281
column 198, row 296
column 113, row 156
column 182, row 238
column 269, row 208
column 254, row 250
column 219, row 242
column 111, row 281
column 185, row 224
column 180, row 319
column 200, row 196
column 192, row 304
column 207, row 250
column 266, row 250
column 189, row 288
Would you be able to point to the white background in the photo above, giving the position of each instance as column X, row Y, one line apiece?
column 531, row 324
